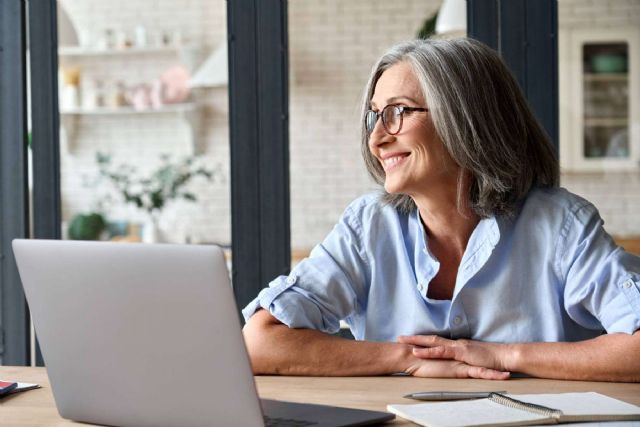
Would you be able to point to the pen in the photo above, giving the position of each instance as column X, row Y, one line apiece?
column 450, row 395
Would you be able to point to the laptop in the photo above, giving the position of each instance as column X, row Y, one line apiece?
column 149, row 335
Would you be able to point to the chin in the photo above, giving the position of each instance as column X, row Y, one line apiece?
column 393, row 187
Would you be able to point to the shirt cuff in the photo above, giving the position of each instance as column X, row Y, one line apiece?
column 291, row 305
column 625, row 309
column 267, row 295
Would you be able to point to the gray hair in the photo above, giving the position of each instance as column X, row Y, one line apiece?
column 482, row 119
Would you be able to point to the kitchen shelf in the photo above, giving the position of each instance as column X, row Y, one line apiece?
column 599, row 112
column 77, row 51
column 168, row 108
column 606, row 77
column 187, row 54
column 188, row 112
column 606, row 121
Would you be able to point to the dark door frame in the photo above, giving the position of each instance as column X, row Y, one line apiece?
column 45, row 138
column 259, row 138
column 15, row 345
column 525, row 33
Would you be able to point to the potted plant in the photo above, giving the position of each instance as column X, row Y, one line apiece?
column 87, row 226
column 151, row 193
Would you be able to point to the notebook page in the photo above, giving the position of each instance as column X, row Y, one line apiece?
column 607, row 424
column 480, row 412
column 581, row 404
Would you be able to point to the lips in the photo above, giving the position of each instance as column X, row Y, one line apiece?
column 392, row 161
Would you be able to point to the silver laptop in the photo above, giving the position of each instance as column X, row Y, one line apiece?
column 149, row 335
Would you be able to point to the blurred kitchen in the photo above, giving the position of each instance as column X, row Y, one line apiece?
column 143, row 85
column 144, row 120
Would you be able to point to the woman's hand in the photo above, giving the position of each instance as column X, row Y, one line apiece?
column 474, row 355
column 610, row 357
column 453, row 369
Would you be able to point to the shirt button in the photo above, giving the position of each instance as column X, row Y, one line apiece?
column 627, row 284
column 291, row 280
column 457, row 320
column 420, row 287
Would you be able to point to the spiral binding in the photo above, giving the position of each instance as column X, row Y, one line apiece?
column 525, row 406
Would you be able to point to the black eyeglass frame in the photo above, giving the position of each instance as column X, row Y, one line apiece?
column 399, row 110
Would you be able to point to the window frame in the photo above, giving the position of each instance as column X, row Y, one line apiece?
column 525, row 33
column 15, row 343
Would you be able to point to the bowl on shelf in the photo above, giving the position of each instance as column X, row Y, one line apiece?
column 609, row 63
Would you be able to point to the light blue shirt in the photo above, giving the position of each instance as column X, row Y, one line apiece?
column 551, row 273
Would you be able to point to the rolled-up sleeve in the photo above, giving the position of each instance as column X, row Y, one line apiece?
column 602, row 286
column 321, row 290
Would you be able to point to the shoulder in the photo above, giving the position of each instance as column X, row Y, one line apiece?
column 560, row 220
column 559, row 223
column 369, row 207
column 372, row 216
column 558, row 205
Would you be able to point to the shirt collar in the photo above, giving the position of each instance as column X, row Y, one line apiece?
column 482, row 241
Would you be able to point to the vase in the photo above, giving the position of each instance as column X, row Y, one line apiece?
column 151, row 232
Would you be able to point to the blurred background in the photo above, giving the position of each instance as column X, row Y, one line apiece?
column 144, row 112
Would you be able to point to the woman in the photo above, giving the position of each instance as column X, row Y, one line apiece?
column 472, row 263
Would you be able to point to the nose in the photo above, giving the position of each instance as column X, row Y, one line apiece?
column 379, row 135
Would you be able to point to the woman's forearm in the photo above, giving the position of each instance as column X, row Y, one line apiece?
column 277, row 349
column 611, row 357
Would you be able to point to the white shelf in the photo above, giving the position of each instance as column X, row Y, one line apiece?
column 77, row 51
column 606, row 121
column 188, row 112
column 606, row 77
column 187, row 54
column 168, row 108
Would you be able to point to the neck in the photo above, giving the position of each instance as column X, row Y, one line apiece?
column 447, row 226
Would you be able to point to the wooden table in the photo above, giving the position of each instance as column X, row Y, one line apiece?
column 37, row 408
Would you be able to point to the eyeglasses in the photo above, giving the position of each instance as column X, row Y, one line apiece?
column 392, row 116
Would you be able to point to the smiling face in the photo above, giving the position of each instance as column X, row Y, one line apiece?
column 414, row 160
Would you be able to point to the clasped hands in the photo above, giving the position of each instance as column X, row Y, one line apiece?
column 441, row 357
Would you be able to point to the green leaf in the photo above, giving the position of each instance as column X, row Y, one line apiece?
column 428, row 27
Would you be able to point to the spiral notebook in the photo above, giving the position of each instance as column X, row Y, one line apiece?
column 519, row 410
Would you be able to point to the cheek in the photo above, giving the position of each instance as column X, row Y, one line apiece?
column 432, row 146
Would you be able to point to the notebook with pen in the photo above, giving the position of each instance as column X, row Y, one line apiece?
column 519, row 410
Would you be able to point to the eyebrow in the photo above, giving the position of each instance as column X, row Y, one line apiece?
column 395, row 99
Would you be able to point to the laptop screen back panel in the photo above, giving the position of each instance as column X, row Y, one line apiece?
column 127, row 333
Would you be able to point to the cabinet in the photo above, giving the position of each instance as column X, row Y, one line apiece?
column 71, row 118
column 599, row 99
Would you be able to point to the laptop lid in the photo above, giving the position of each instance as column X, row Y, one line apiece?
column 139, row 335
column 149, row 335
